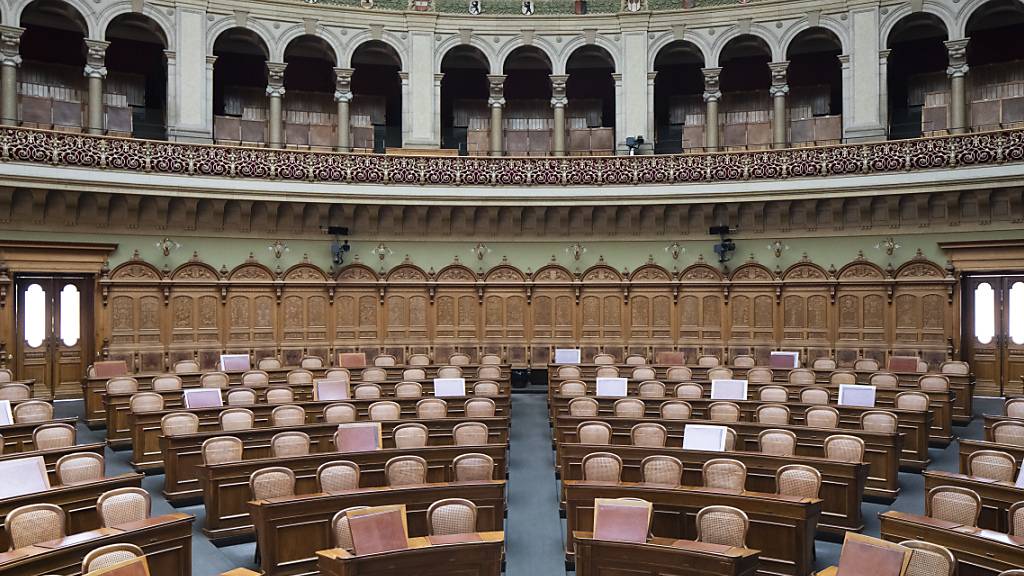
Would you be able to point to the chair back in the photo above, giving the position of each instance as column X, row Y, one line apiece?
column 879, row 421
column 602, row 467
column 636, row 360
column 602, row 359
column 289, row 444
column 884, row 380
column 821, row 417
column 722, row 525
column 744, row 361
column 866, row 365
column 430, row 408
column 955, row 367
column 414, row 374
column 35, row 523
column 269, row 363
column 648, row 435
column 473, row 467
column 629, row 408
column 583, row 407
column 79, row 467
column 340, row 413
column 676, row 410
column 679, row 374
column 15, row 392
column 288, row 415
column 405, row 470
column 689, row 391
column 720, row 373
column 568, row 372
column 449, row 372
column 340, row 530
column 773, row 394
column 273, row 482
column 470, row 434
column 953, row 504
column 1008, row 432
column 1014, row 408
column 418, row 360
column 776, row 442
column 33, row 411
column 460, row 359
column 241, row 397
column 760, row 375
column 222, row 449
column 927, row 559
column 214, row 380
column 992, row 465
column 337, row 476
column 840, row 377
column 374, row 374
column 385, row 410
column 572, row 388
column 234, row 419
column 607, row 372
column 594, row 432
column 802, row 377
column 798, row 480
column 642, row 373
column 486, row 388
column 299, row 377
column 661, row 470
column 146, row 402
column 338, row 374
column 933, row 383
column 178, row 423
column 408, row 390
column 410, row 435
column 124, row 505
column 122, row 385
column 814, row 395
column 707, row 360
column 490, row 359
column 725, row 473
column 367, row 392
column 912, row 400
column 772, row 414
column 109, row 555
column 53, row 436
column 844, row 448
column 186, row 367
column 165, row 382
column 480, row 408
column 488, row 372
column 451, row 516
column 1016, row 519
column 652, row 389
column 384, row 360
column 311, row 362
column 724, row 412
column 824, row 364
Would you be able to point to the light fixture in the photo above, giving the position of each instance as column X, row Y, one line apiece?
column 278, row 248
column 576, row 250
column 777, row 247
column 675, row 249
column 166, row 245
column 480, row 250
column 633, row 143
column 889, row 245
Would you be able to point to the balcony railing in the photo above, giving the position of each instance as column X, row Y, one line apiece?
column 171, row 158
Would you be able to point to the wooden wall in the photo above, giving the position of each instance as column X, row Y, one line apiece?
column 152, row 318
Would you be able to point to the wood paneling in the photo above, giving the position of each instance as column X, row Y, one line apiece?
column 158, row 317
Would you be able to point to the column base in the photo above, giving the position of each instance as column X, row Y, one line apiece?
column 865, row 134
column 193, row 136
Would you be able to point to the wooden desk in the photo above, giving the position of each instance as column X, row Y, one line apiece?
column 289, row 531
column 842, row 483
column 939, row 434
column 478, row 557
column 144, row 428
column 50, row 457
column 781, row 527
column 913, row 425
column 226, row 486
column 93, row 389
column 996, row 497
column 166, row 540
column 969, row 446
column 978, row 552
column 18, row 437
column 182, row 454
column 880, row 448
column 661, row 557
column 77, row 500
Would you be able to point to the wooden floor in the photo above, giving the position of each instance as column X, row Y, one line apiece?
column 534, row 531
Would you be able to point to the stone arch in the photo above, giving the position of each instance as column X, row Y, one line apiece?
column 757, row 31
column 661, row 42
column 225, row 24
column 545, row 48
column 391, row 40
column 453, row 42
column 899, row 13
column 841, row 34
column 571, row 47
column 84, row 13
column 164, row 24
column 298, row 31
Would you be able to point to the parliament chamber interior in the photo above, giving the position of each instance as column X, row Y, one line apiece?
column 520, row 287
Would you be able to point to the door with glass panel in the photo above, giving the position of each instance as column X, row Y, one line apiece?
column 994, row 332
column 54, row 324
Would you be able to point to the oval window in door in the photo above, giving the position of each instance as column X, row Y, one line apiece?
column 984, row 313
column 1017, row 313
column 70, row 314
column 35, row 316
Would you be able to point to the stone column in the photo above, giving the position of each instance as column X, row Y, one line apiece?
column 95, row 72
column 558, row 102
column 343, row 95
column 275, row 93
column 496, row 102
column 778, row 91
column 211, row 62
column 10, row 59
column 712, row 94
column 957, row 71
column 883, row 91
column 651, row 134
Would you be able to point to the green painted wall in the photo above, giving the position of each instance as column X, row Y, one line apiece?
column 826, row 250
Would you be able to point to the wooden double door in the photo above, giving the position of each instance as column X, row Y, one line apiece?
column 54, row 332
column 993, row 325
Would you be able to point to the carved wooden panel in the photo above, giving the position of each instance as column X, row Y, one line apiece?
column 805, row 307
column 862, row 316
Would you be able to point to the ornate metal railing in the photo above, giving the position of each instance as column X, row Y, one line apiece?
column 171, row 158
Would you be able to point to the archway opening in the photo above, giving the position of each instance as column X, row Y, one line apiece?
column 815, row 78
column 746, row 111
column 136, row 86
column 239, row 88
column 376, row 109
column 678, row 98
column 528, row 118
column 917, row 81
column 310, row 113
column 995, row 55
column 52, row 91
column 590, row 89
column 465, row 119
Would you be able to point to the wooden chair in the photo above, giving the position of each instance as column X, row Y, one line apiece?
column 927, row 559
column 773, row 394
column 572, row 388
column 107, row 556
column 722, row 525
column 241, row 397
column 234, row 419
column 583, row 407
column 338, row 374
column 602, row 359
column 1008, row 432
column 802, row 377
column 299, row 377
column 222, row 449
column 186, row 367
column 725, row 473
column 486, row 388
column 289, row 444
column 410, row 435
column 866, row 365
column 744, row 361
column 288, row 415
column 840, row 377
column 707, row 361
column 679, row 374
column 15, row 392
column 414, row 374
column 384, row 360
column 490, row 359
column 385, row 410
column 642, row 373
column 480, row 408
column 606, row 372
column 844, row 448
column 933, row 383
column 1016, row 519
column 594, row 432
column 337, row 476
column 33, row 411
column 53, row 436
column 146, row 402
column 178, row 423
column 35, row 523
column 648, row 434
column 569, row 373
column 992, row 465
column 430, row 408
column 955, row 367
column 661, row 470
column 602, row 467
column 273, row 482
column 488, row 372
column 405, row 471
column 367, row 392
column 879, row 421
column 772, row 414
column 629, row 408
column 340, row 413
column 798, row 480
column 473, row 467
column 269, row 363
column 470, row 434
column 636, row 360
column 676, row 410
column 884, row 380
column 460, row 359
column 122, row 385
column 449, row 372
column 123, row 505
column 912, row 400
column 1014, row 408
column 760, row 375
column 776, row 442
column 214, row 380
column 651, row 389
column 821, row 417
column 418, row 360
column 720, row 373
column 451, row 516
column 824, row 364
column 340, row 530
column 724, row 412
column 953, row 504
column 311, row 362
column 814, row 395
column 79, row 467
column 376, row 374
column 689, row 391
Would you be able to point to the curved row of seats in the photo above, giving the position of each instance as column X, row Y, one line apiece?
column 747, row 361
column 773, row 441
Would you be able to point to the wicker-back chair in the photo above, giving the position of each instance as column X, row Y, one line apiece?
column 340, row 413
column 777, row 442
column 222, row 449
column 594, row 432
column 992, row 465
column 583, row 407
column 405, row 471
column 470, row 434
column 289, row 444
column 927, row 559
column 123, row 505
column 676, row 410
column 953, row 504
column 798, row 480
column 661, row 470
column 241, row 397
column 79, row 467
column 722, row 525
column 725, row 473
column 35, row 523
column 53, row 436
column 410, row 435
column 146, row 402
column 844, row 448
column 772, row 414
column 273, row 482
column 480, row 408
column 385, row 410
column 337, row 476
column 602, row 467
column 648, row 434
column 724, row 412
column 430, row 408
column 773, row 394
column 109, row 555
column 451, row 516
column 288, row 415
column 234, row 419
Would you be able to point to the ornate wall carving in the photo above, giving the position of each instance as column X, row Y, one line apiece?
column 156, row 317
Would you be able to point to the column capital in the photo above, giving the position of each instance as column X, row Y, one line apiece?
column 496, row 90
column 883, row 55
column 712, row 84
column 844, row 60
column 957, row 51
column 559, row 98
column 779, row 86
column 275, row 79
column 95, row 58
column 343, row 84
column 10, row 45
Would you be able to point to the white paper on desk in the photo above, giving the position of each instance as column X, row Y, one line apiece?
column 234, row 362
column 23, row 476
column 612, row 387
column 202, row 398
column 567, row 355
column 728, row 389
column 857, row 395
column 445, row 387
column 785, row 359
column 6, row 416
column 704, row 437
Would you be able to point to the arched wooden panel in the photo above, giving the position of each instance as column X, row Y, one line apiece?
column 806, row 293
column 553, row 313
column 752, row 302
column 862, row 311
column 923, row 302
column 135, row 317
